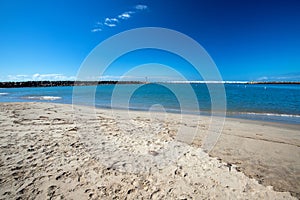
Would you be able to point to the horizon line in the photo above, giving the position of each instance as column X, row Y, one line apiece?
column 178, row 81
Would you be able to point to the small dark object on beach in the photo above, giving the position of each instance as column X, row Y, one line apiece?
column 229, row 165
column 153, row 153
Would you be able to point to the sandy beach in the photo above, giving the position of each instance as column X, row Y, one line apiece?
column 49, row 151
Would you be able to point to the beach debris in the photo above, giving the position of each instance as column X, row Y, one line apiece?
column 130, row 191
column 73, row 129
column 229, row 165
column 153, row 153
column 156, row 190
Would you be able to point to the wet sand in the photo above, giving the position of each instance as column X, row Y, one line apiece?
column 48, row 151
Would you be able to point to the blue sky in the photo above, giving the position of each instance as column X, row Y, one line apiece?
column 248, row 40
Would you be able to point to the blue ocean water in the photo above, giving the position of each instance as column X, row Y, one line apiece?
column 261, row 102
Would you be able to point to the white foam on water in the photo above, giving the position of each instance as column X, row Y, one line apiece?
column 49, row 98
column 277, row 117
column 271, row 114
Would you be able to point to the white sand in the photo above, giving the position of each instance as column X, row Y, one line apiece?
column 50, row 152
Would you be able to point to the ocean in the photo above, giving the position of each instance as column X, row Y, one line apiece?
column 268, row 102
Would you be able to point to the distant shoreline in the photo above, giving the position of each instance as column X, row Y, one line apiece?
column 61, row 83
column 89, row 83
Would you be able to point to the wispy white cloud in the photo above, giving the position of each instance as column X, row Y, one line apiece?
column 114, row 21
column 126, row 15
column 282, row 77
column 16, row 78
column 39, row 77
column 96, row 30
column 111, row 22
column 263, row 78
column 141, row 7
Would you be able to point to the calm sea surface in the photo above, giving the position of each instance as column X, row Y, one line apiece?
column 261, row 102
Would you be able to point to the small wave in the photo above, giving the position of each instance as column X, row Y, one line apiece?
column 49, row 98
column 266, row 114
column 3, row 93
column 271, row 117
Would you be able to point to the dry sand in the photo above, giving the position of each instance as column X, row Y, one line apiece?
column 50, row 152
